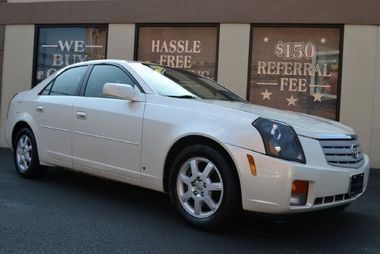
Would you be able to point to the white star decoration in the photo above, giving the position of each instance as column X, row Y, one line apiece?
column 291, row 100
column 317, row 97
column 266, row 94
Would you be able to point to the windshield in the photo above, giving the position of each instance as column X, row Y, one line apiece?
column 178, row 83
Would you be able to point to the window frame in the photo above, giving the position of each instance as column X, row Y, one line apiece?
column 37, row 36
column 275, row 25
column 183, row 25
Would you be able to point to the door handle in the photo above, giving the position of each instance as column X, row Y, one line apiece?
column 81, row 115
column 40, row 109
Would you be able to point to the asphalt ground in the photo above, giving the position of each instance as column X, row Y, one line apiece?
column 67, row 212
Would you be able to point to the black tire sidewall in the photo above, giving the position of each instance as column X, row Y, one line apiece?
column 34, row 169
column 229, row 206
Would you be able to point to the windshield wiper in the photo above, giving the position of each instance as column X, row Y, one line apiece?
column 183, row 96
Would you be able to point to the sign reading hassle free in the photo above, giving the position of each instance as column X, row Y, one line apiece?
column 176, row 53
column 190, row 48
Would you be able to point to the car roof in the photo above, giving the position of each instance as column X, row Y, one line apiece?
column 119, row 61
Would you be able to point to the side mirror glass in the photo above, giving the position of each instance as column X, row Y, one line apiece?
column 120, row 91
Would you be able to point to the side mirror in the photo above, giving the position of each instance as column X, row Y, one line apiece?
column 120, row 91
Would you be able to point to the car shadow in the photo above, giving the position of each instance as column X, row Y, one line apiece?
column 305, row 226
column 150, row 215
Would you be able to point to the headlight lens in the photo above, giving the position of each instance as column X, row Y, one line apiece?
column 280, row 140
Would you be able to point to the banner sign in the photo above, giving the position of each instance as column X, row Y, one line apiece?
column 296, row 69
column 61, row 46
column 189, row 48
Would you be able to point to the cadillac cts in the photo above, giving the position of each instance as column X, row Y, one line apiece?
column 172, row 131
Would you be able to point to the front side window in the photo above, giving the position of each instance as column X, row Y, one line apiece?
column 68, row 82
column 102, row 74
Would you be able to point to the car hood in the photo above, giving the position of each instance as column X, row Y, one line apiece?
column 303, row 124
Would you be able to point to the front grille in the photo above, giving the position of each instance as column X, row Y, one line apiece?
column 333, row 199
column 344, row 153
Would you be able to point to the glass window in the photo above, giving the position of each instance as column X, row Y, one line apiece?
column 60, row 46
column 102, row 74
column 47, row 89
column 68, row 82
column 296, row 68
column 190, row 48
column 182, row 84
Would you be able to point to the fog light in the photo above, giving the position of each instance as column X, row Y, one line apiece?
column 299, row 193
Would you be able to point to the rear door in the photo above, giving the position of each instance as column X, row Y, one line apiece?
column 53, row 111
column 107, row 131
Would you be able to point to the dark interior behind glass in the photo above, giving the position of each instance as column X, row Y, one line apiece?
column 183, row 84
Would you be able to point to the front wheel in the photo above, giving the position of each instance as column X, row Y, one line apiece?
column 26, row 156
column 203, row 188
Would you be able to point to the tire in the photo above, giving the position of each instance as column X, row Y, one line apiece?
column 25, row 155
column 202, row 187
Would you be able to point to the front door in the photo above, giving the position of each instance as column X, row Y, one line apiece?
column 107, row 131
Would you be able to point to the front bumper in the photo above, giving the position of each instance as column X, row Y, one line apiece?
column 269, row 191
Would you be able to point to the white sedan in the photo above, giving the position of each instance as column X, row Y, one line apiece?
column 172, row 131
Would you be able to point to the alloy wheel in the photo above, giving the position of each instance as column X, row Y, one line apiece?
column 24, row 153
column 199, row 187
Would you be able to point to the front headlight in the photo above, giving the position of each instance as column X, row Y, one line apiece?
column 280, row 140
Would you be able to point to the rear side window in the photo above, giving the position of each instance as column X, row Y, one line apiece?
column 102, row 74
column 68, row 82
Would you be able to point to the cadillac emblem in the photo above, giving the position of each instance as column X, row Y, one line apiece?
column 354, row 151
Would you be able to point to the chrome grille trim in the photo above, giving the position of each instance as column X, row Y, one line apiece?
column 339, row 152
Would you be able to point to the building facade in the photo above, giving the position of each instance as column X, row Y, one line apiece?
column 320, row 58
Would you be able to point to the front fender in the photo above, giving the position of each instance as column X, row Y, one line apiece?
column 166, row 123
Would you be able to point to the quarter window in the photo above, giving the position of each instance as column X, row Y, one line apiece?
column 102, row 74
column 68, row 82
column 47, row 89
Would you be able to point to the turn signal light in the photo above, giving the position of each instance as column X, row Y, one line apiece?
column 300, row 187
column 252, row 164
column 299, row 192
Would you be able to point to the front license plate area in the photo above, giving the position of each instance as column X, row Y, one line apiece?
column 356, row 186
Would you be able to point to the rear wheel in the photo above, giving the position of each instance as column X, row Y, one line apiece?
column 26, row 156
column 202, row 187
